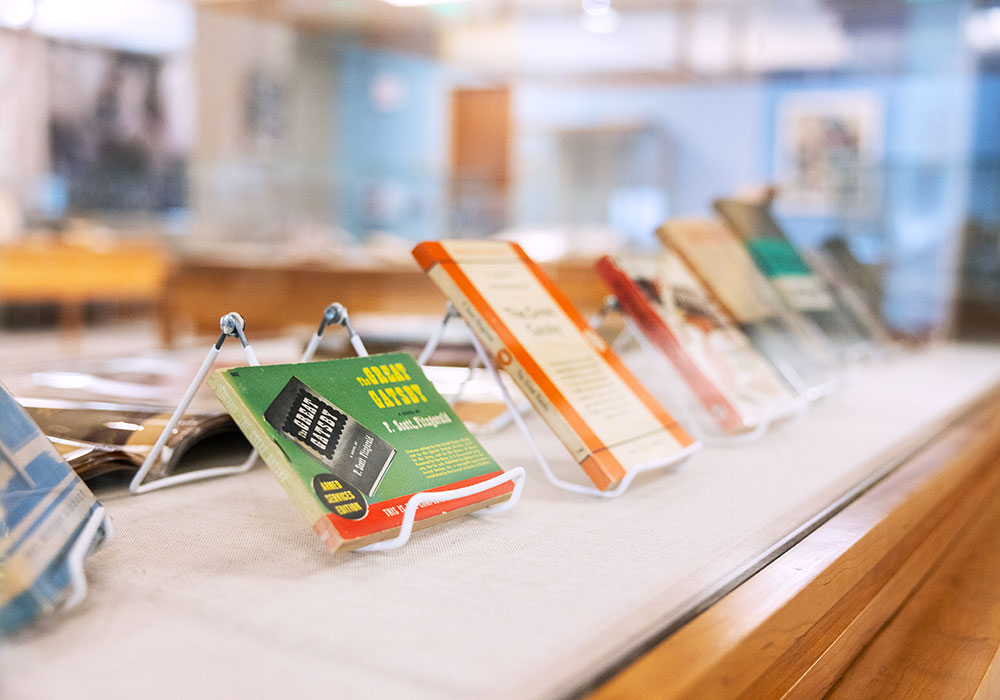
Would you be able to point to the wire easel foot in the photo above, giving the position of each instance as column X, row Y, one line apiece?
column 515, row 475
column 99, row 519
column 231, row 325
column 517, row 416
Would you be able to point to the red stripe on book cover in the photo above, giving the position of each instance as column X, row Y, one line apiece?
column 597, row 467
column 388, row 515
column 639, row 308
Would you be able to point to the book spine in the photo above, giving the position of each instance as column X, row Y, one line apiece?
column 301, row 496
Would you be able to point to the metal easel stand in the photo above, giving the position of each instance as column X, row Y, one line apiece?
column 231, row 325
column 543, row 463
column 515, row 475
column 498, row 423
column 336, row 314
column 85, row 542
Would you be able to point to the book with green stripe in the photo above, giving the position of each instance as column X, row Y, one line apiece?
column 795, row 347
column 351, row 440
column 797, row 283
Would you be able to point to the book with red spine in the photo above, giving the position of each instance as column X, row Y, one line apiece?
column 738, row 388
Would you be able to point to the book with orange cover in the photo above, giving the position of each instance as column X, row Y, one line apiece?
column 607, row 420
column 738, row 388
column 796, row 348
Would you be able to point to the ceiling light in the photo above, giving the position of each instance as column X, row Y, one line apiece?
column 982, row 29
column 420, row 3
column 606, row 22
column 16, row 14
column 596, row 7
column 143, row 26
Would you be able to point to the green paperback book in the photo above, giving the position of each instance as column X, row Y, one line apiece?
column 351, row 440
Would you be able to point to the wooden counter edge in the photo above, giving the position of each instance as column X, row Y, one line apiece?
column 792, row 629
column 943, row 641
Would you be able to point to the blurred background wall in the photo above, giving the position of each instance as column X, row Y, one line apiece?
column 335, row 127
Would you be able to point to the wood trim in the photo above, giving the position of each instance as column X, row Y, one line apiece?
column 989, row 687
column 279, row 296
column 793, row 629
column 942, row 641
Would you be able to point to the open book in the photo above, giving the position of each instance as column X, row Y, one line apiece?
column 99, row 438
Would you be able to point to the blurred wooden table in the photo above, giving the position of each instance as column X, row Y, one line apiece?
column 895, row 596
column 274, row 296
column 42, row 269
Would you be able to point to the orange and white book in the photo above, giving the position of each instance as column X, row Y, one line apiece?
column 597, row 407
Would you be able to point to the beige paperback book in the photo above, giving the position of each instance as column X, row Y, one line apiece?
column 599, row 410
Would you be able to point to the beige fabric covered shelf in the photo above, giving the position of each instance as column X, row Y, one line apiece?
column 219, row 589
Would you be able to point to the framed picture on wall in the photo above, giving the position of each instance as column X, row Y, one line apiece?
column 118, row 133
column 828, row 153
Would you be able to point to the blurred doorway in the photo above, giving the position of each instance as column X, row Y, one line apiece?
column 480, row 160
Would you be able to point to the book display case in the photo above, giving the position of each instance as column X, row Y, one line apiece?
column 672, row 367
column 778, row 567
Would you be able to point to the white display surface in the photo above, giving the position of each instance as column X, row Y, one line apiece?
column 220, row 590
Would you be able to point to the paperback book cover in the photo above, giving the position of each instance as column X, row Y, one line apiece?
column 44, row 509
column 797, row 283
column 716, row 257
column 607, row 420
column 352, row 439
column 737, row 386
column 863, row 278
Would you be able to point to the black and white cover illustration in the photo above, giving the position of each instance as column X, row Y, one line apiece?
column 334, row 439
